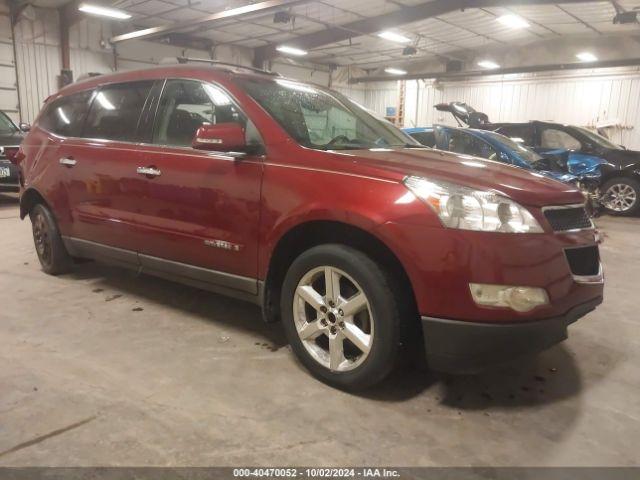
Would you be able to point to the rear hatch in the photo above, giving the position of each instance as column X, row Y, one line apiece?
column 464, row 114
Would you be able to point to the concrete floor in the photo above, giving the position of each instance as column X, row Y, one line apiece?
column 100, row 367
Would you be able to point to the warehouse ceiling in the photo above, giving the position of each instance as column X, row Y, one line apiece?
column 345, row 32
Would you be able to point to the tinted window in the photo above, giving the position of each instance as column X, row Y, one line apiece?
column 461, row 142
column 6, row 125
column 185, row 105
column 65, row 116
column 554, row 138
column 115, row 111
column 518, row 133
column 425, row 138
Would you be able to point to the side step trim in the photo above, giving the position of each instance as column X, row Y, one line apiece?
column 244, row 288
column 228, row 280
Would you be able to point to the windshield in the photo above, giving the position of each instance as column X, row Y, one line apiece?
column 525, row 153
column 597, row 139
column 323, row 120
column 6, row 125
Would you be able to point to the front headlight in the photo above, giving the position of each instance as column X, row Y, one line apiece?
column 469, row 209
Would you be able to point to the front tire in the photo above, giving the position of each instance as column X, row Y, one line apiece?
column 621, row 196
column 341, row 317
column 52, row 253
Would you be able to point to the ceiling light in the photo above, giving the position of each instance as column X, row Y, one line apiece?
column 103, row 11
column 488, row 64
column 394, row 37
column 291, row 50
column 587, row 57
column 513, row 21
column 395, row 71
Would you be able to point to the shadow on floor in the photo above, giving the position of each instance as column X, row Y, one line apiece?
column 546, row 378
column 231, row 314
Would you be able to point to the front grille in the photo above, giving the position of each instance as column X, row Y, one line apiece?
column 583, row 261
column 570, row 218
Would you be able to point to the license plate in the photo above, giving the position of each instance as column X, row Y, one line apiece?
column 5, row 172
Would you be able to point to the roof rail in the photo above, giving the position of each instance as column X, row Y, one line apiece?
column 225, row 64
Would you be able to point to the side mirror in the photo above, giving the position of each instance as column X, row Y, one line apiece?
column 24, row 127
column 222, row 137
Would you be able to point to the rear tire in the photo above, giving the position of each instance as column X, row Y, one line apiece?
column 52, row 253
column 621, row 196
column 348, row 336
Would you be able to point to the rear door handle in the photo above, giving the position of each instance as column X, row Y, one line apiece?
column 68, row 161
column 149, row 171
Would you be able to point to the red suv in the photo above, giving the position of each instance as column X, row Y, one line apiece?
column 298, row 199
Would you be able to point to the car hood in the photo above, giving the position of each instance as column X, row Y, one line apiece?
column 523, row 186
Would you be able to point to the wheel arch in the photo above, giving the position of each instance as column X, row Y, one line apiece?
column 317, row 232
column 29, row 199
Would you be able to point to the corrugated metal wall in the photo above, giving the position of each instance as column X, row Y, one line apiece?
column 37, row 60
column 586, row 98
column 38, row 56
column 8, row 83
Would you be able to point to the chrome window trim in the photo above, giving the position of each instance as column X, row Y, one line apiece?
column 567, row 207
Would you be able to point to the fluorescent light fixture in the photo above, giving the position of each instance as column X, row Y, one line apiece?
column 394, row 37
column 488, row 64
column 513, row 21
column 63, row 116
column 104, row 102
column 296, row 86
column 218, row 97
column 587, row 57
column 291, row 50
column 395, row 71
column 103, row 11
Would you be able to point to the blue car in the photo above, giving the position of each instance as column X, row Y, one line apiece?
column 574, row 168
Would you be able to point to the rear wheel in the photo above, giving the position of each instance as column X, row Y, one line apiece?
column 52, row 254
column 621, row 196
column 341, row 316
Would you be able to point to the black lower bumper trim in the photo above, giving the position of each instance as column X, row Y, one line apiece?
column 456, row 346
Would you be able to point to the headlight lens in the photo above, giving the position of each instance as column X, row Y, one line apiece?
column 469, row 209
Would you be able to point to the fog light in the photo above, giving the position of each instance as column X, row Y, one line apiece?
column 520, row 299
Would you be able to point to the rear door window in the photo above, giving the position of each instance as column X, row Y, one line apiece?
column 65, row 116
column 462, row 142
column 425, row 138
column 115, row 111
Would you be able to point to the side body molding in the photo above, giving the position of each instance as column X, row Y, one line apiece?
column 242, row 288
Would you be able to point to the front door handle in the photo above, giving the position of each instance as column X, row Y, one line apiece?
column 68, row 162
column 149, row 171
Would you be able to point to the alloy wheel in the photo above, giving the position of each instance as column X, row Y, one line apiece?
column 42, row 239
column 333, row 318
column 619, row 197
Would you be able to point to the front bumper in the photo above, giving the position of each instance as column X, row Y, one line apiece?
column 455, row 346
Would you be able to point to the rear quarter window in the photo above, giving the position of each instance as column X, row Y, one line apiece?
column 65, row 116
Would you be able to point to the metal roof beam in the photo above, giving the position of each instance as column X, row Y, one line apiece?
column 628, row 62
column 402, row 16
column 255, row 8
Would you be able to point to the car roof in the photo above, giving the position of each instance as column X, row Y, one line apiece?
column 417, row 129
column 218, row 71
